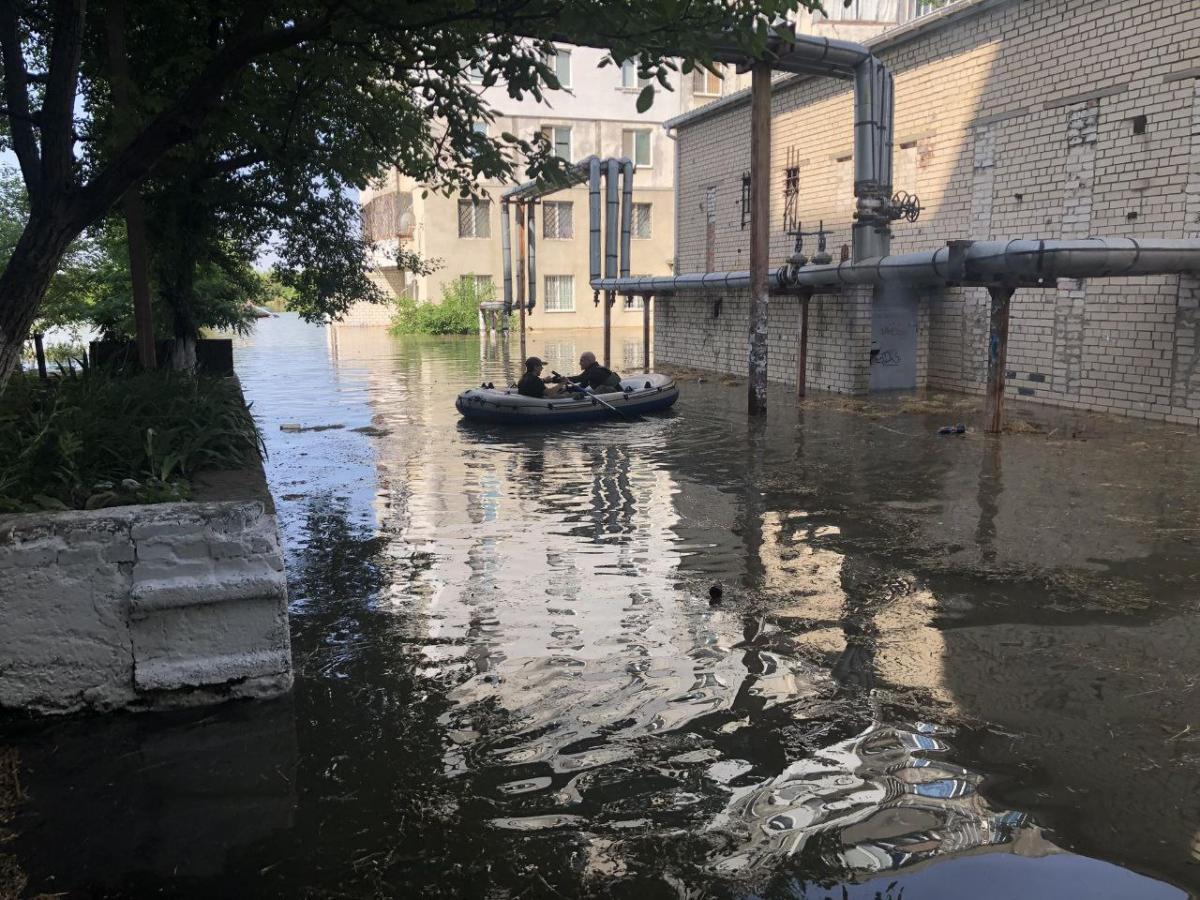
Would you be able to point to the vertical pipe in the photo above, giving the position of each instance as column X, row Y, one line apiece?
column 646, row 300
column 531, row 227
column 760, row 215
column 520, row 274
column 506, row 254
column 594, row 219
column 626, row 215
column 40, row 350
column 1001, row 295
column 482, row 323
column 611, row 220
column 802, row 360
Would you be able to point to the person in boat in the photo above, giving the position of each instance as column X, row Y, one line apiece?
column 594, row 375
column 532, row 384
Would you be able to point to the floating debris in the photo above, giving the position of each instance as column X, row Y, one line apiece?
column 295, row 428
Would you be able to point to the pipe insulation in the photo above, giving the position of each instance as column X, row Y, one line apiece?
column 531, row 232
column 506, row 258
column 626, row 214
column 594, row 218
column 611, row 223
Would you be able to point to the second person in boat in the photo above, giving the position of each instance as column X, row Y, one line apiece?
column 595, row 376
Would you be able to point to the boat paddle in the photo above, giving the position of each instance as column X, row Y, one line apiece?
column 604, row 403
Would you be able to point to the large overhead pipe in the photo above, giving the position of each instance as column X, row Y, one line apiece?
column 506, row 259
column 594, row 218
column 611, row 250
column 626, row 214
column 531, row 225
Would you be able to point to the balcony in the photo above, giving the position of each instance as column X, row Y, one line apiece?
column 389, row 217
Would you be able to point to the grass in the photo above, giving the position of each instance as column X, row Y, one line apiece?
column 70, row 441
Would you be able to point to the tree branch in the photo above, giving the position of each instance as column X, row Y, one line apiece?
column 16, row 80
column 179, row 122
column 58, row 107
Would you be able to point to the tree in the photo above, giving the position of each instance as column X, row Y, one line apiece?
column 408, row 58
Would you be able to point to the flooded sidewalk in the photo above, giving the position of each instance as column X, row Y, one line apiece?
column 939, row 666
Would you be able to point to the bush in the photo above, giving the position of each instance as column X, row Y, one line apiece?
column 73, row 440
column 458, row 313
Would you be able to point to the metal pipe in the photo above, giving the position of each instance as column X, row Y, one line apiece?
column 646, row 299
column 594, row 218
column 506, row 259
column 521, row 243
column 531, row 229
column 760, row 235
column 610, row 218
column 626, row 214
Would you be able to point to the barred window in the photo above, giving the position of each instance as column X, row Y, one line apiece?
column 474, row 218
column 560, row 293
column 557, row 222
column 641, row 220
column 633, row 302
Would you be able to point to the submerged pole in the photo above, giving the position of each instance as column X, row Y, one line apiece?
column 520, row 279
column 646, row 331
column 802, row 355
column 1001, row 296
column 760, row 215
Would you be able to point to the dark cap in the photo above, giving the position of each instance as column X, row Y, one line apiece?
column 533, row 362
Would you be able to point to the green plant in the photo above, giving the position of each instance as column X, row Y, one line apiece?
column 457, row 313
column 74, row 439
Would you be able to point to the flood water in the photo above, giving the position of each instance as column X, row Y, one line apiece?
column 942, row 667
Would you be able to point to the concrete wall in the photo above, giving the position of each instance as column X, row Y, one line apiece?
column 153, row 606
column 1013, row 120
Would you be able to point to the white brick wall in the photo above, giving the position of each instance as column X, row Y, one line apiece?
column 1021, row 117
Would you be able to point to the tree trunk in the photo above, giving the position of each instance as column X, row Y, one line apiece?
column 24, row 280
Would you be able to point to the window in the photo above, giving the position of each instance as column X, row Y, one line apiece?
column 629, row 76
column 632, row 303
column 482, row 286
column 474, row 218
column 636, row 146
column 560, row 62
column 706, row 83
column 556, row 221
column 641, row 220
column 559, row 137
column 560, row 293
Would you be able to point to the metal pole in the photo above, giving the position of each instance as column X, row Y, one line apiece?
column 802, row 360
column 608, row 302
column 531, row 227
column 760, row 216
column 997, row 356
column 646, row 331
column 520, row 211
column 506, row 261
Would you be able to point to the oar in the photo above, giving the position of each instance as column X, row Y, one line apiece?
column 598, row 400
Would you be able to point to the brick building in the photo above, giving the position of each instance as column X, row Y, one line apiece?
column 1031, row 119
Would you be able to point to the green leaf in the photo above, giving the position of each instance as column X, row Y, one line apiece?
column 645, row 98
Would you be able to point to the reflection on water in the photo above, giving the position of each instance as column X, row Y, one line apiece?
column 926, row 678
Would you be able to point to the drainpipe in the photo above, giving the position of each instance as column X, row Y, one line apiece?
column 871, row 235
column 521, row 244
column 532, row 232
column 506, row 254
column 594, row 219
column 611, row 225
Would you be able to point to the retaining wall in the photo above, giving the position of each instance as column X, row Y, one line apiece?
column 145, row 607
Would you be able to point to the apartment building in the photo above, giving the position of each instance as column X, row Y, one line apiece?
column 596, row 114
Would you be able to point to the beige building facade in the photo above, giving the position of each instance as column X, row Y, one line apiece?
column 1035, row 119
column 596, row 115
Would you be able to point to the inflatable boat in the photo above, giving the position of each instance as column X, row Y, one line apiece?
column 639, row 394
